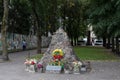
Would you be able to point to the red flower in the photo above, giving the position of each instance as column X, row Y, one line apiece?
column 57, row 57
column 32, row 62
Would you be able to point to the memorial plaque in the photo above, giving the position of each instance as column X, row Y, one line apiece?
column 53, row 69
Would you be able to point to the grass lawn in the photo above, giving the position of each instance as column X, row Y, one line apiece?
column 90, row 53
column 37, row 56
column 94, row 53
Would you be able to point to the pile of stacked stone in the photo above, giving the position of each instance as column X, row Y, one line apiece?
column 60, row 40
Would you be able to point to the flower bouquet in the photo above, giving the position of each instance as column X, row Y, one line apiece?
column 40, row 67
column 30, row 65
column 55, row 65
column 76, row 65
column 57, row 54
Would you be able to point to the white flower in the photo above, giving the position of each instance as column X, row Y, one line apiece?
column 79, row 63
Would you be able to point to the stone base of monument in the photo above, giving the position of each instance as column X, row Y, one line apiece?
column 53, row 69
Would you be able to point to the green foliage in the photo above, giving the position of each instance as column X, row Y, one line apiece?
column 49, row 12
column 100, row 12
column 72, row 13
column 1, row 10
column 20, row 23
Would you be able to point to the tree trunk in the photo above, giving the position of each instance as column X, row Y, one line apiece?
column 76, row 41
column 108, row 43
column 104, row 41
column 4, row 31
column 117, row 45
column 113, row 45
column 39, row 41
column 33, row 3
column 72, row 41
column 88, row 38
column 38, row 35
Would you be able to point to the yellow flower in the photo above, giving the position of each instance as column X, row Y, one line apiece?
column 57, row 51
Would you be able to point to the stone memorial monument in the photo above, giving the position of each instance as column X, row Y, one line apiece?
column 61, row 41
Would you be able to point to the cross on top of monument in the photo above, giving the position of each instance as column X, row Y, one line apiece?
column 60, row 22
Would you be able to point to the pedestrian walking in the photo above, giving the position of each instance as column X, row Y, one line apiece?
column 24, row 45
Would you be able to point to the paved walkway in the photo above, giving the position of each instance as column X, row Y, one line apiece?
column 14, row 70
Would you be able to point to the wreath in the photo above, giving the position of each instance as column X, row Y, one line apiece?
column 57, row 54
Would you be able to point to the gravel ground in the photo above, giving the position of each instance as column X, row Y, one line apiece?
column 15, row 70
